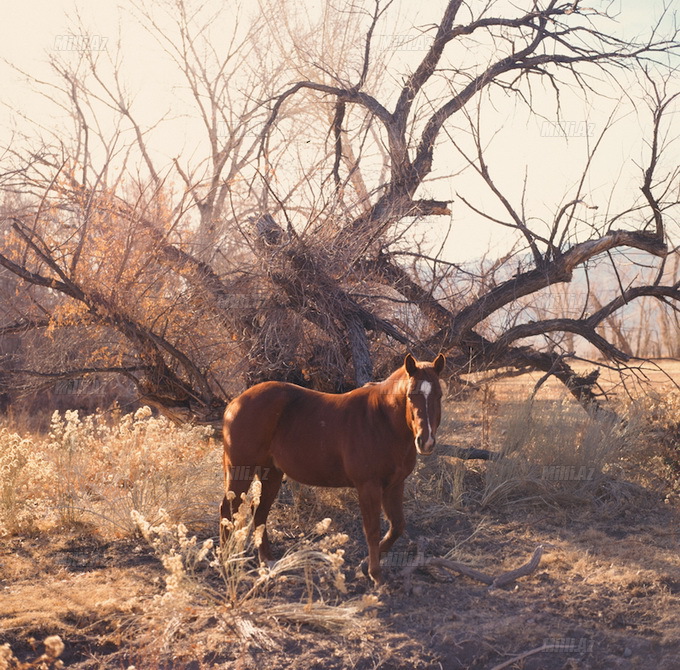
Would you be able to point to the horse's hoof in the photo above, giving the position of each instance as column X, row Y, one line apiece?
column 364, row 567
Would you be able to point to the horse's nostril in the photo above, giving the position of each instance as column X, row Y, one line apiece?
column 425, row 448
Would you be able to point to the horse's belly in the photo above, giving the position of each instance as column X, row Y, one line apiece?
column 315, row 462
column 319, row 479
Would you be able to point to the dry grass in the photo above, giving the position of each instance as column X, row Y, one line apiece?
column 25, row 474
column 118, row 516
column 554, row 452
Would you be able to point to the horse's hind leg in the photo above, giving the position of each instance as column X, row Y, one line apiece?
column 271, row 483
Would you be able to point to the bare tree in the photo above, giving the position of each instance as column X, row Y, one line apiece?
column 291, row 248
column 557, row 42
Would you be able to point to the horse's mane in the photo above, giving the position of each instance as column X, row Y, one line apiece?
column 392, row 385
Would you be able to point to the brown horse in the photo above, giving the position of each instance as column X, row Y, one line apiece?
column 366, row 439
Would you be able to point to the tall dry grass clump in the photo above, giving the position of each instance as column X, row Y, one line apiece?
column 111, row 464
column 100, row 467
column 554, row 452
column 658, row 447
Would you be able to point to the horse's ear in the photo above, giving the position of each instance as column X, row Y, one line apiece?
column 439, row 363
column 410, row 364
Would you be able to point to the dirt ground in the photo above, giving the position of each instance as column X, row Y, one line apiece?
column 606, row 594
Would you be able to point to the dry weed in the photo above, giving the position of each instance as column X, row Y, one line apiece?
column 101, row 467
column 656, row 446
column 553, row 452
column 48, row 660
column 25, row 476
column 226, row 591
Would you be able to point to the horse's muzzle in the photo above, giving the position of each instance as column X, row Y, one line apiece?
column 424, row 448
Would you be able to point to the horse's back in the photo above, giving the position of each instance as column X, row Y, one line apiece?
column 304, row 433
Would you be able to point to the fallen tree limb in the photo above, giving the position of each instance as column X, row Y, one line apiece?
column 454, row 566
column 524, row 655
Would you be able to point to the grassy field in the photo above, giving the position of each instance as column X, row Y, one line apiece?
column 108, row 527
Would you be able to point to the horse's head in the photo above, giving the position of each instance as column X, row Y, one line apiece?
column 424, row 400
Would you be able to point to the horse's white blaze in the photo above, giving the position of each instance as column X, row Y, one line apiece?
column 426, row 389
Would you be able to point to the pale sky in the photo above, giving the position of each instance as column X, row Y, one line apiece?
column 30, row 30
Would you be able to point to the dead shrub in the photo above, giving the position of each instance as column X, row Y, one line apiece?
column 108, row 466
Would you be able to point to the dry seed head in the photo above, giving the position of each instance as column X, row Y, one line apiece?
column 258, row 535
column 141, row 523
column 322, row 527
column 205, row 548
column 256, row 488
column 241, row 516
column 330, row 541
column 184, row 541
column 339, row 582
column 240, row 537
column 175, row 566
column 143, row 413
column 53, row 646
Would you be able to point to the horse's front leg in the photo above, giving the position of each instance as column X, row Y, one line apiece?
column 369, row 502
column 393, row 506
